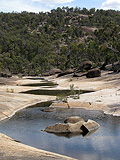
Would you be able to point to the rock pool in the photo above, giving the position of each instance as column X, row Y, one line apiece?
column 26, row 125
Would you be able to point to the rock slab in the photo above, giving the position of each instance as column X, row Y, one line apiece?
column 73, row 124
column 65, row 128
column 89, row 126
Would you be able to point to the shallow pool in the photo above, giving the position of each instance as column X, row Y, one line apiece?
column 104, row 144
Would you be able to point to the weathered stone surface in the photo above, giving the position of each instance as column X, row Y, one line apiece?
column 5, row 74
column 108, row 67
column 96, row 72
column 12, row 150
column 66, row 72
column 58, row 128
column 89, row 126
column 65, row 128
column 46, row 74
column 86, row 65
column 79, row 74
column 48, row 109
column 108, row 94
column 116, row 67
column 73, row 119
column 74, row 128
column 59, row 104
column 55, row 71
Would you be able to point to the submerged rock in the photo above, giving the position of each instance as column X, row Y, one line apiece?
column 48, row 109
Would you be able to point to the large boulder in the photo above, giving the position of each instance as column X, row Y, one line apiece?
column 65, row 128
column 86, row 65
column 73, row 119
column 96, row 72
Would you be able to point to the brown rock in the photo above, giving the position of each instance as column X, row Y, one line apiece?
column 89, row 126
column 66, row 72
column 86, row 65
column 55, row 71
column 65, row 128
column 116, row 67
column 48, row 109
column 5, row 74
column 93, row 73
column 73, row 119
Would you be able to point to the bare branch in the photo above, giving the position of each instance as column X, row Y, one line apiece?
column 113, row 49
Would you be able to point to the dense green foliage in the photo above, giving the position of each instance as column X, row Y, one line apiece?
column 32, row 43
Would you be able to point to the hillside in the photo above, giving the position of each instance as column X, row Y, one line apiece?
column 33, row 43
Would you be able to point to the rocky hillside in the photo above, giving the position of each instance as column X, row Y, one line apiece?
column 33, row 43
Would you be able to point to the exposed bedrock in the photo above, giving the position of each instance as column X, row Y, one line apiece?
column 73, row 119
column 65, row 128
column 89, row 126
column 96, row 72
column 73, row 124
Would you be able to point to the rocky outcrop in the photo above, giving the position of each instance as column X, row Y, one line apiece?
column 52, row 72
column 73, row 124
column 46, row 74
column 55, row 71
column 86, row 65
column 73, row 119
column 89, row 126
column 79, row 74
column 66, row 72
column 108, row 67
column 65, row 128
column 116, row 67
column 96, row 72
column 5, row 74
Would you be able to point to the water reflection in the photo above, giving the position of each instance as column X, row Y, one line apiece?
column 103, row 144
column 70, row 135
column 48, row 84
column 54, row 92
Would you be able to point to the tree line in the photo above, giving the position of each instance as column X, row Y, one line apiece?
column 33, row 43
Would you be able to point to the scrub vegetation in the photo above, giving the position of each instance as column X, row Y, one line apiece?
column 33, row 43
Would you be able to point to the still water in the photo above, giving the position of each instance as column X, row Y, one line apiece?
column 104, row 144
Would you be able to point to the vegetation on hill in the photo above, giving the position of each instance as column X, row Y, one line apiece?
column 32, row 43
